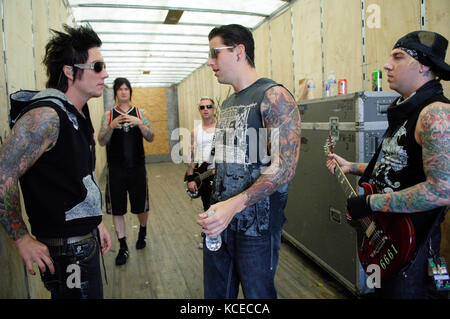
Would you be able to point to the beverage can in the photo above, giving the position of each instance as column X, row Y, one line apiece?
column 342, row 86
column 376, row 80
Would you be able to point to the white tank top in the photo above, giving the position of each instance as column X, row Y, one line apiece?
column 204, row 145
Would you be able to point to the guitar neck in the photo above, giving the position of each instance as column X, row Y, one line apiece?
column 206, row 174
column 344, row 182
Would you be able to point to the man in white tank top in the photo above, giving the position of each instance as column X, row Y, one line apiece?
column 201, row 144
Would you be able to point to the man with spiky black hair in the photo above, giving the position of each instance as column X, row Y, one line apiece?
column 51, row 150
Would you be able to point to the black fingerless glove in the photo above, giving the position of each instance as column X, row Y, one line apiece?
column 358, row 207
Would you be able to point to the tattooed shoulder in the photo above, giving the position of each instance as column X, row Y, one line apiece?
column 35, row 132
column 434, row 123
column 278, row 106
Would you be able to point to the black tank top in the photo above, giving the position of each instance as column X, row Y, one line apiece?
column 238, row 137
column 60, row 191
column 125, row 148
column 401, row 165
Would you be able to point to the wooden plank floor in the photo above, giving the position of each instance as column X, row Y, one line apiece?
column 170, row 267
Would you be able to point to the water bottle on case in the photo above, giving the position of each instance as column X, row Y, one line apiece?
column 332, row 85
column 213, row 243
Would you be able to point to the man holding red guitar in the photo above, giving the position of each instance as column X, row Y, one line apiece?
column 413, row 177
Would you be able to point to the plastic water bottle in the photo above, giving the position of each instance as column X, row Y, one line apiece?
column 213, row 243
column 332, row 85
column 311, row 88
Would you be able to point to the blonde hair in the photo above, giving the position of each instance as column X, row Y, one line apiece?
column 203, row 98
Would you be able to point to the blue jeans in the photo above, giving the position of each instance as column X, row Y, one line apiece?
column 84, row 254
column 246, row 260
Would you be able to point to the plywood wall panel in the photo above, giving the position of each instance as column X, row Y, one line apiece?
column 58, row 14
column 19, row 42
column 41, row 36
column 160, row 144
column 438, row 20
column 397, row 18
column 153, row 100
column 96, row 110
column 262, row 51
column 342, row 41
column 281, row 35
column 307, row 43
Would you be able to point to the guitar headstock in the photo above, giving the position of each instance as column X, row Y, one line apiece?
column 329, row 145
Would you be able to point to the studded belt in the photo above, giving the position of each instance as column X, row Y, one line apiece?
column 56, row 242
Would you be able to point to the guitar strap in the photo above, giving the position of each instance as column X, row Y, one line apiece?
column 367, row 175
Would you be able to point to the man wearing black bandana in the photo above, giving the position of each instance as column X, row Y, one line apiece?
column 413, row 176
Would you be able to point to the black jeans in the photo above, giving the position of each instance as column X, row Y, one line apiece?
column 77, row 271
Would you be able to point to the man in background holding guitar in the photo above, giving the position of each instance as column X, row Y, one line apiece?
column 200, row 152
column 413, row 176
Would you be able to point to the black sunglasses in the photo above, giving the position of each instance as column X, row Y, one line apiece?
column 202, row 107
column 214, row 52
column 96, row 66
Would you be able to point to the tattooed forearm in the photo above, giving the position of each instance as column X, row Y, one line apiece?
column 33, row 134
column 10, row 213
column 146, row 129
column 358, row 168
column 105, row 133
column 280, row 114
column 434, row 132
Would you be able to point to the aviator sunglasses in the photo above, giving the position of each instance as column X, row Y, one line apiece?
column 213, row 52
column 96, row 66
column 202, row 107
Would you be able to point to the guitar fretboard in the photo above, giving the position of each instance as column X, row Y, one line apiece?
column 345, row 183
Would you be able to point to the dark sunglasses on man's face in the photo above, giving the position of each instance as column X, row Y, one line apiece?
column 214, row 52
column 97, row 66
column 202, row 107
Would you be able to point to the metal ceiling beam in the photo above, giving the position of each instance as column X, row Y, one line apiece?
column 148, row 50
column 156, row 71
column 155, row 67
column 144, row 22
column 155, row 56
column 150, row 81
column 149, row 62
column 152, row 33
column 147, row 7
column 152, row 42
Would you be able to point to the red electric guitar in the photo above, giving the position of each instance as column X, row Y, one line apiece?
column 385, row 239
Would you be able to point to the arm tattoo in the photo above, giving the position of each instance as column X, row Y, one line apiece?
column 105, row 133
column 34, row 133
column 358, row 168
column 279, row 111
column 434, row 131
column 146, row 129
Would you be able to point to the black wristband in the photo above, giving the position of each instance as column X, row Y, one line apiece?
column 190, row 178
column 358, row 207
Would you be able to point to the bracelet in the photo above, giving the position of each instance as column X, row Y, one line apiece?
column 190, row 178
